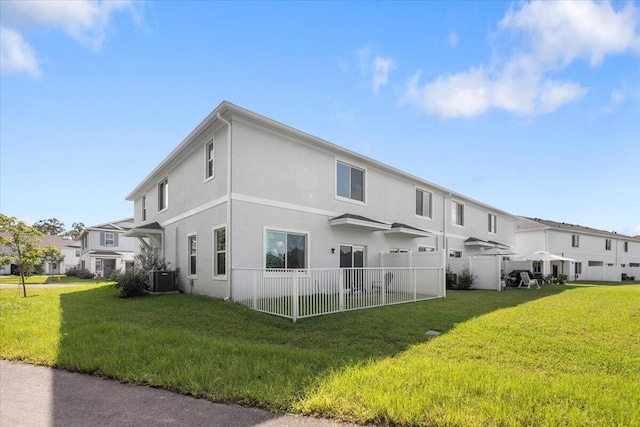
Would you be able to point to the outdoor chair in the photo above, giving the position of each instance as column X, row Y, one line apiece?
column 527, row 281
column 376, row 286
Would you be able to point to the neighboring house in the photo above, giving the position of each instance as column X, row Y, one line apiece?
column 244, row 191
column 104, row 248
column 598, row 254
column 70, row 249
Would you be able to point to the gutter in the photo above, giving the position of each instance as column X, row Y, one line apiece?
column 228, row 236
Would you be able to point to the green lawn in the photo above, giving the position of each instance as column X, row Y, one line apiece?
column 561, row 355
column 40, row 280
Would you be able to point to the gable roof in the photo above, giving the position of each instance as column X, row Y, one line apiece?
column 524, row 223
column 119, row 225
column 227, row 110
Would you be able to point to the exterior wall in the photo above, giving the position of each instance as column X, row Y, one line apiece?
column 126, row 247
column 607, row 265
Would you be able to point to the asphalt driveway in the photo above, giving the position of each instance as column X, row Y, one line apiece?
column 38, row 396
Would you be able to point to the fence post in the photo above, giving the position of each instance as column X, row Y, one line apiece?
column 341, row 289
column 383, row 288
column 254, row 289
column 415, row 286
column 296, row 300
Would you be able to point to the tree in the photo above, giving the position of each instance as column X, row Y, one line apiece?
column 51, row 226
column 19, row 245
column 75, row 231
column 52, row 255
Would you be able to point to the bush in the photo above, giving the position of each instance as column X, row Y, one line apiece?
column 560, row 279
column 132, row 283
column 465, row 279
column 80, row 273
column 451, row 278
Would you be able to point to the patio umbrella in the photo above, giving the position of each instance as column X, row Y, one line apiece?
column 498, row 251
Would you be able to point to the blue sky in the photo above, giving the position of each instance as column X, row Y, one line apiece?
column 533, row 108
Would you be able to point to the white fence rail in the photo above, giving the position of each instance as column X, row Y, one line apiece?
column 297, row 294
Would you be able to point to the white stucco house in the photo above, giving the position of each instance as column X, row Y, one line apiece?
column 69, row 248
column 243, row 191
column 599, row 255
column 105, row 248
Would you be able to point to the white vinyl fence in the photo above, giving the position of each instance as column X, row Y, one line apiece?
column 486, row 269
column 297, row 294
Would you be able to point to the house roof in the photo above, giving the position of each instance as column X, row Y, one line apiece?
column 524, row 223
column 105, row 253
column 359, row 221
column 57, row 241
column 123, row 224
column 227, row 110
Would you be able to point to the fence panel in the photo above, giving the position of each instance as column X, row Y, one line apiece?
column 304, row 293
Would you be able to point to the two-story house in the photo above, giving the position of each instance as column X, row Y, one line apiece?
column 244, row 191
column 69, row 249
column 599, row 255
column 104, row 248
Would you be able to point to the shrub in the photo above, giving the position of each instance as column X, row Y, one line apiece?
column 79, row 272
column 451, row 278
column 132, row 283
column 465, row 279
column 560, row 279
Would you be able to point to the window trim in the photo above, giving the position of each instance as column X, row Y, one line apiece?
column 453, row 219
column 144, row 208
column 607, row 244
column 214, row 261
column 163, row 202
column 626, row 247
column 364, row 183
column 207, row 160
column 113, row 239
column 399, row 251
column 492, row 225
column 453, row 252
column 286, row 231
column 190, row 236
column 427, row 247
column 415, row 201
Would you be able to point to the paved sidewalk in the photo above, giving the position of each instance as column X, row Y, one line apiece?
column 38, row 396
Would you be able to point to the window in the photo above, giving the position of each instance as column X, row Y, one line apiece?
column 575, row 241
column 455, row 254
column 398, row 251
column 426, row 249
column 208, row 171
column 193, row 254
column 351, row 256
column 537, row 266
column 457, row 213
column 109, row 239
column 349, row 182
column 634, row 264
column 77, row 252
column 220, row 252
column 144, row 208
column 607, row 244
column 578, row 268
column 595, row 263
column 98, row 265
column 285, row 250
column 626, row 246
column 424, row 203
column 163, row 195
column 493, row 224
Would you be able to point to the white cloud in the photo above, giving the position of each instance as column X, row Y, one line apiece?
column 381, row 68
column 16, row 55
column 554, row 35
column 375, row 70
column 85, row 21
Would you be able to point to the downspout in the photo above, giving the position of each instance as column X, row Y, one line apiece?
column 445, row 241
column 228, row 237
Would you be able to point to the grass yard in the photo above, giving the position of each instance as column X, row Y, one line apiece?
column 561, row 355
column 41, row 280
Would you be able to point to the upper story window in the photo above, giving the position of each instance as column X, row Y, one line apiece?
column 607, row 244
column 144, row 208
column 193, row 254
column 109, row 239
column 457, row 213
column 163, row 195
column 208, row 171
column 493, row 224
column 424, row 203
column 626, row 246
column 285, row 250
column 349, row 182
column 575, row 241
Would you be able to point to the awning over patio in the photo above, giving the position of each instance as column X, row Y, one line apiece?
column 150, row 235
column 407, row 230
column 358, row 221
column 473, row 241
